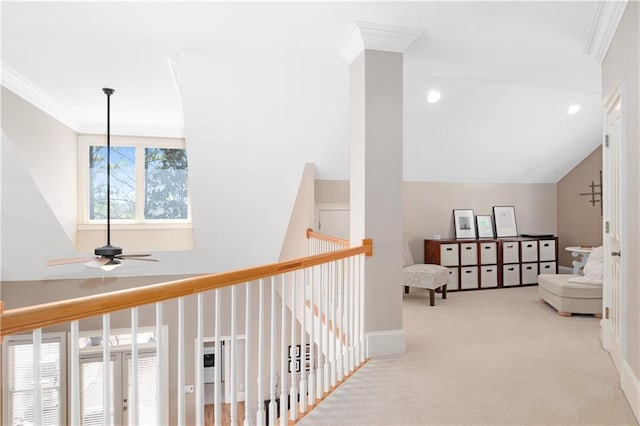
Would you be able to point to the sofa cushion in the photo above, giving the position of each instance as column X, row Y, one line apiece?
column 559, row 285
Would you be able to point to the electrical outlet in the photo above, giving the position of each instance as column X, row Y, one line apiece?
column 189, row 389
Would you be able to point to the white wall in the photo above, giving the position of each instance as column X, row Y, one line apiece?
column 296, row 243
column 48, row 151
column 427, row 206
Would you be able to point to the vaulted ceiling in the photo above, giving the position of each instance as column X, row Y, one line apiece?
column 507, row 71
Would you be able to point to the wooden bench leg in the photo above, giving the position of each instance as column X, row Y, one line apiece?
column 432, row 297
column 444, row 291
column 406, row 289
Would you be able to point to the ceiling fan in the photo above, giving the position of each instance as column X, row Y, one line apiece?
column 107, row 257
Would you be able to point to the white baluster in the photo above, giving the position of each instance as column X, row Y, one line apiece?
column 160, row 378
column 352, row 308
column 260, row 416
column 233, row 361
column 217, row 386
column 272, row 357
column 133, row 396
column 356, row 318
column 74, row 414
column 312, row 344
column 339, row 319
column 303, row 343
column 106, row 370
column 37, row 376
column 181, row 385
column 247, row 354
column 363, row 349
column 199, row 362
column 293, row 392
column 326, row 286
column 334, row 316
column 283, row 352
column 320, row 364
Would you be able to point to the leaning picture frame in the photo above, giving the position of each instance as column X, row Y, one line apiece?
column 484, row 226
column 463, row 223
column 504, row 218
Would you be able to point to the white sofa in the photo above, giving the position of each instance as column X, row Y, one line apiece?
column 575, row 294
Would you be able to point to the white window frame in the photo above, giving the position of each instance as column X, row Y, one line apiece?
column 28, row 338
column 140, row 143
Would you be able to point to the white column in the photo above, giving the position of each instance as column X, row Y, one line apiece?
column 375, row 56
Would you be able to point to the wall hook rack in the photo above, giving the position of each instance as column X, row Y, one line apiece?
column 596, row 193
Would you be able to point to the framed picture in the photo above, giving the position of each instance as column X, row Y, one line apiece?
column 484, row 223
column 505, row 220
column 463, row 223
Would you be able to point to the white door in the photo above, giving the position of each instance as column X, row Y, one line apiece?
column 334, row 222
column 613, row 232
column 147, row 366
column 91, row 396
column 91, row 384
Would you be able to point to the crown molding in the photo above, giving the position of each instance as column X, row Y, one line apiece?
column 32, row 94
column 372, row 36
column 605, row 22
column 134, row 130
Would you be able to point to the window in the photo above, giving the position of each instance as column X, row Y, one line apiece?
column 18, row 379
column 149, row 181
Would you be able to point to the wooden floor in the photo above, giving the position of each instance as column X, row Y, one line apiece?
column 226, row 414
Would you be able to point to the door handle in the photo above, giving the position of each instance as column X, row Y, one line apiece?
column 616, row 253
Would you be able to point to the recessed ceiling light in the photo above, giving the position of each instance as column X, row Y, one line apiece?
column 433, row 96
column 573, row 109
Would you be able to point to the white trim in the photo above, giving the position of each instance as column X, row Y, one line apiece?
column 388, row 342
column 134, row 130
column 631, row 387
column 605, row 22
column 372, row 36
column 32, row 94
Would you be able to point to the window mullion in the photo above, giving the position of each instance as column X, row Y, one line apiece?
column 140, row 183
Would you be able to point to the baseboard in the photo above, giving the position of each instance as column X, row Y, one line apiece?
column 631, row 387
column 388, row 342
column 565, row 270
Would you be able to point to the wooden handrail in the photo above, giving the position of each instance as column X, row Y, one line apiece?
column 311, row 233
column 29, row 318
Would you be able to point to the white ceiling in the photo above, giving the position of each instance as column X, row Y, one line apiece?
column 507, row 70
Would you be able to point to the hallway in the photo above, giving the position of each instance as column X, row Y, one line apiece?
column 485, row 357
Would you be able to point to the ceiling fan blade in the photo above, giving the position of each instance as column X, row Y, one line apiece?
column 125, row 256
column 141, row 258
column 56, row 262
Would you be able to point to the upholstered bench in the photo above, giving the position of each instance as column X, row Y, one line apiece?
column 427, row 276
column 570, row 298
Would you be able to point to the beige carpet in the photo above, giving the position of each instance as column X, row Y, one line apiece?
column 494, row 357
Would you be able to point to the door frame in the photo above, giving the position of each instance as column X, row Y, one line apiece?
column 607, row 337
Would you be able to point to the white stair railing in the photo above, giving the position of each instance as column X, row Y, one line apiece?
column 312, row 342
